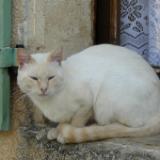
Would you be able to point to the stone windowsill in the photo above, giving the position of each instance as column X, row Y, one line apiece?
column 114, row 149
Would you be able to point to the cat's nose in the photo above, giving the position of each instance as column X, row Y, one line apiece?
column 43, row 90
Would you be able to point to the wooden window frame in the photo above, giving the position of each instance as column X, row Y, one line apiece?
column 107, row 20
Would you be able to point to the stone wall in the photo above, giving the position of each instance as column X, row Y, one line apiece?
column 43, row 25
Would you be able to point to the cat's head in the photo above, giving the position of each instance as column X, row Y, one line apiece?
column 40, row 75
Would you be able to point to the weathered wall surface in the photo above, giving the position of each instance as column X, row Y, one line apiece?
column 44, row 25
column 47, row 24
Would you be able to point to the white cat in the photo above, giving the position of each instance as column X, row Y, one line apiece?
column 112, row 84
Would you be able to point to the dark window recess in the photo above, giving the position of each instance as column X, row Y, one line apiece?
column 107, row 14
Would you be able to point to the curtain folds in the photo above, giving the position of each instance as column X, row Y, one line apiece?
column 140, row 28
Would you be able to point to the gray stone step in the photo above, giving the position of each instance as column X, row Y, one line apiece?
column 113, row 149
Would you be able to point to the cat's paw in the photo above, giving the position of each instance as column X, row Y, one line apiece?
column 61, row 139
column 52, row 134
column 64, row 135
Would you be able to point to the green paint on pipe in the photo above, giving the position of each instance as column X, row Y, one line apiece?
column 5, row 23
column 4, row 100
column 7, row 59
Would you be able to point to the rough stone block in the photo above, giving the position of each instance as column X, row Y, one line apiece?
column 113, row 149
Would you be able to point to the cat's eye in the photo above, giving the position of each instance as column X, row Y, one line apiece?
column 34, row 78
column 51, row 77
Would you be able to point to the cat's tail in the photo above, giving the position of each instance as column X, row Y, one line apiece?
column 70, row 134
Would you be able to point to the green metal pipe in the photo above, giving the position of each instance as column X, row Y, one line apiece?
column 4, row 100
column 7, row 59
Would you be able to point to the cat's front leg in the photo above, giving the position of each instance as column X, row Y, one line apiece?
column 79, row 120
column 53, row 133
column 82, row 116
column 60, row 133
column 63, row 131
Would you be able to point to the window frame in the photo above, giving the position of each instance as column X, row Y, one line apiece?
column 107, row 21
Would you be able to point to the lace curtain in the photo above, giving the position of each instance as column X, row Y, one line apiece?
column 140, row 28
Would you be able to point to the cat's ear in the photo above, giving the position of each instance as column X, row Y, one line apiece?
column 56, row 56
column 23, row 59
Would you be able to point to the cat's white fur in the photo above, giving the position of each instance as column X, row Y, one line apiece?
column 110, row 83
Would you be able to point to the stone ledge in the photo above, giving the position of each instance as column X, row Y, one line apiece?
column 113, row 149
